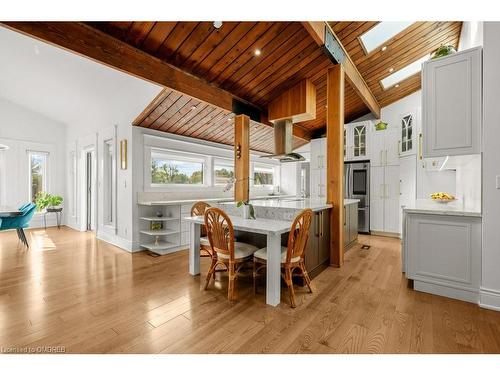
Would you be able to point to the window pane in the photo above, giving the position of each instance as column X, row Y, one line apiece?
column 223, row 174
column 263, row 176
column 171, row 171
column 37, row 172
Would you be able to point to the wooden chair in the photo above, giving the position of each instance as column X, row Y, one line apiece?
column 199, row 209
column 292, row 256
column 225, row 250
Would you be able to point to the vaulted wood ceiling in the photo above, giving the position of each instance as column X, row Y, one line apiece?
column 225, row 57
column 180, row 114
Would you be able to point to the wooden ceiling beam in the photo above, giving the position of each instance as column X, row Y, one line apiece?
column 317, row 30
column 89, row 42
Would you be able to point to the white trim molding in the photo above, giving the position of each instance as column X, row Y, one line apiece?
column 489, row 299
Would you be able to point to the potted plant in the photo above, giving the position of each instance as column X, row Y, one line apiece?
column 49, row 202
column 248, row 211
column 381, row 125
column 442, row 51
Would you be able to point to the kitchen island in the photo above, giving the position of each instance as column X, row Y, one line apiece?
column 272, row 220
column 441, row 250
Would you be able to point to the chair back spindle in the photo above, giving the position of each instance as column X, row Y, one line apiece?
column 220, row 232
column 299, row 234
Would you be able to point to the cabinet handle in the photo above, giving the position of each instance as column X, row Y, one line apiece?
column 420, row 146
column 344, row 215
column 381, row 158
column 385, row 157
column 321, row 224
column 399, row 188
column 399, row 147
column 316, row 227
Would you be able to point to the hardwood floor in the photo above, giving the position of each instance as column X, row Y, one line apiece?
column 87, row 296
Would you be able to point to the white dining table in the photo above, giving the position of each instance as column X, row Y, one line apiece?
column 7, row 211
column 271, row 228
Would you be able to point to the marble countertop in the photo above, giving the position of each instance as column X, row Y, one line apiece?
column 189, row 201
column 262, row 226
column 290, row 203
column 423, row 206
column 350, row 201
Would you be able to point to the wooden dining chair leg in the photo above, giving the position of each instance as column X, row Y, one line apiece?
column 306, row 277
column 211, row 271
column 232, row 277
column 289, row 283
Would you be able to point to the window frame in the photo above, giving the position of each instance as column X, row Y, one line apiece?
column 177, row 156
column 221, row 162
column 45, row 172
column 266, row 166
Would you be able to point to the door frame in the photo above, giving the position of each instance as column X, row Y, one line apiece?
column 90, row 149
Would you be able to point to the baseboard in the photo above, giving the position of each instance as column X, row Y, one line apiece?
column 385, row 234
column 117, row 241
column 489, row 299
column 447, row 291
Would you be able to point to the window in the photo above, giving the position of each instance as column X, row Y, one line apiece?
column 381, row 33
column 263, row 175
column 403, row 73
column 109, row 181
column 223, row 172
column 170, row 169
column 406, row 133
column 37, row 173
column 360, row 140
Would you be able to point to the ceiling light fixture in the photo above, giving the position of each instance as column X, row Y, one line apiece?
column 391, row 70
column 396, row 86
column 257, row 52
column 193, row 107
column 384, row 48
column 217, row 24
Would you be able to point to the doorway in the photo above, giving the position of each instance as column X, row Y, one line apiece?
column 90, row 193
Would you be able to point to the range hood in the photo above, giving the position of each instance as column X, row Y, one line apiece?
column 283, row 143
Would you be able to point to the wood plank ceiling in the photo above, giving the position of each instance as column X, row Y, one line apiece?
column 226, row 57
column 180, row 114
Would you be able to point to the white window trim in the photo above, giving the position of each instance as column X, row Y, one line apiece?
column 46, row 177
column 222, row 162
column 109, row 223
column 177, row 155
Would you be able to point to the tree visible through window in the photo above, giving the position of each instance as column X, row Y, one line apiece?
column 170, row 171
column 223, row 173
column 263, row 175
column 38, row 171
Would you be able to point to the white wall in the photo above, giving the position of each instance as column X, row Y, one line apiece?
column 22, row 130
column 471, row 35
column 490, row 285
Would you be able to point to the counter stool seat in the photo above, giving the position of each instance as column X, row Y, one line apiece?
column 262, row 254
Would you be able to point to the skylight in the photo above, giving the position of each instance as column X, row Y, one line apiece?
column 403, row 73
column 381, row 33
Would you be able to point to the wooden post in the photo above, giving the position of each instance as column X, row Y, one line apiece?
column 241, row 157
column 335, row 161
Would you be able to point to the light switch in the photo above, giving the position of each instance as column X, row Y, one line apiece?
column 498, row 182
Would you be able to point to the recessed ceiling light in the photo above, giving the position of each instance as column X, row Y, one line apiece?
column 397, row 85
column 217, row 24
column 384, row 48
column 257, row 52
column 391, row 70
column 229, row 119
column 193, row 107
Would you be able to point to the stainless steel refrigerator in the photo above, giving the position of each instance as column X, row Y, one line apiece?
column 357, row 186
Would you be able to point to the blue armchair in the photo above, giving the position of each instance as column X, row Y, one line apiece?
column 20, row 222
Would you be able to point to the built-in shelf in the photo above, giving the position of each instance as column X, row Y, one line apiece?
column 155, row 218
column 159, row 232
column 162, row 245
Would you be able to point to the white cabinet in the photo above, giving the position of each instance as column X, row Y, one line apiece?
column 443, row 254
column 318, row 168
column 407, row 182
column 356, row 140
column 384, row 147
column 408, row 139
column 384, row 199
column 318, row 153
column 451, row 104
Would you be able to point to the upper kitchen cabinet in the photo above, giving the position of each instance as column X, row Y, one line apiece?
column 318, row 153
column 356, row 140
column 451, row 104
column 408, row 142
column 384, row 147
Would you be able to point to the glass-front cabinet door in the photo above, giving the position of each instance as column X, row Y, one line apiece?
column 407, row 141
column 359, row 141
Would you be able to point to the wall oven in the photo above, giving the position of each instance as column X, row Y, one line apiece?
column 357, row 186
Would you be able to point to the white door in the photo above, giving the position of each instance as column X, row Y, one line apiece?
column 392, row 209
column 377, row 148
column 451, row 100
column 377, row 199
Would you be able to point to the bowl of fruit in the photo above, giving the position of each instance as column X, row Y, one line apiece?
column 442, row 197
